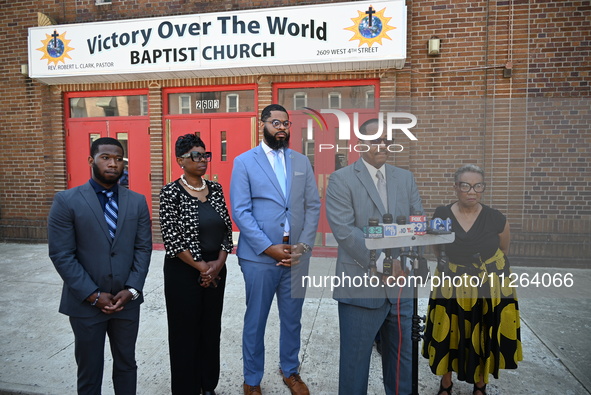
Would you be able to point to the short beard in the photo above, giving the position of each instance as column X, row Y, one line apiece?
column 273, row 142
column 97, row 174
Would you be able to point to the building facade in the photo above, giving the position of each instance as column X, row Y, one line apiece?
column 501, row 84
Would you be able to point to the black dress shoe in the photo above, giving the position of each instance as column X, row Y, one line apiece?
column 212, row 392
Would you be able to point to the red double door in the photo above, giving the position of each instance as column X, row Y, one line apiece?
column 133, row 134
column 225, row 137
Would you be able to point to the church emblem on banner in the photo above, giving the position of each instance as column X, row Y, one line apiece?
column 55, row 48
column 370, row 27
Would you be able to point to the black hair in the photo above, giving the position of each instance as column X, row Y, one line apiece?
column 186, row 142
column 266, row 113
column 94, row 147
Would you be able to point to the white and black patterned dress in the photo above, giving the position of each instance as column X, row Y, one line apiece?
column 194, row 313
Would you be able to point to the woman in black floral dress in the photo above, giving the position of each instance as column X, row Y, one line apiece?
column 473, row 330
column 197, row 234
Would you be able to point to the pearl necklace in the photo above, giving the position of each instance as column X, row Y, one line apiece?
column 197, row 189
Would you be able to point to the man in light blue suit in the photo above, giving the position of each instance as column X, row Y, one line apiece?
column 276, row 206
column 370, row 188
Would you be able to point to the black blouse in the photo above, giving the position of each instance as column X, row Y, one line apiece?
column 482, row 238
column 180, row 220
column 212, row 230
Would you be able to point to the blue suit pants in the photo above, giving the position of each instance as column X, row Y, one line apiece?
column 358, row 329
column 263, row 281
column 89, row 345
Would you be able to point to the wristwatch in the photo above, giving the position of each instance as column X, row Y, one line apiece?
column 135, row 294
column 306, row 247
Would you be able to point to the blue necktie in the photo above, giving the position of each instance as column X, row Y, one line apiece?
column 280, row 172
column 111, row 213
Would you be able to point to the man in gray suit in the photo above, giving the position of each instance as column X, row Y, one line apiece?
column 100, row 242
column 370, row 188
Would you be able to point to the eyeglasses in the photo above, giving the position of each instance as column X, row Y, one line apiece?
column 466, row 187
column 197, row 156
column 277, row 123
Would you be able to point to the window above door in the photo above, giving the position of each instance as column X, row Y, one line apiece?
column 108, row 106
column 222, row 101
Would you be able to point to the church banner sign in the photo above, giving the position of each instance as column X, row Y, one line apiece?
column 360, row 31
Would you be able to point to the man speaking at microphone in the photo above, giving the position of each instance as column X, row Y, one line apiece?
column 370, row 188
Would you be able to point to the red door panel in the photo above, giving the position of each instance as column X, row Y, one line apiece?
column 229, row 138
column 133, row 134
column 226, row 138
column 79, row 137
column 180, row 127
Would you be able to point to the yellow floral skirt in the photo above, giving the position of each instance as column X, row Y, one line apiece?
column 473, row 323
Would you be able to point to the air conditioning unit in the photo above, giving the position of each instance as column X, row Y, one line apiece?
column 103, row 2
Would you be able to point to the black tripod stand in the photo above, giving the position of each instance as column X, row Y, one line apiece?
column 420, row 270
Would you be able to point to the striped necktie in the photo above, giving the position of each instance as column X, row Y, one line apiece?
column 111, row 213
column 382, row 190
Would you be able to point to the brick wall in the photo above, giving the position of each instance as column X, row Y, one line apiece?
column 530, row 132
column 23, row 167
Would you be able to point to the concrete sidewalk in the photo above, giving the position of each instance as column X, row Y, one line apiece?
column 36, row 342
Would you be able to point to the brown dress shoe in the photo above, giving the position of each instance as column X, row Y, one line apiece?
column 252, row 389
column 296, row 385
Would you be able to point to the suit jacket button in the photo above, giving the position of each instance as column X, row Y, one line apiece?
column 112, row 254
column 282, row 225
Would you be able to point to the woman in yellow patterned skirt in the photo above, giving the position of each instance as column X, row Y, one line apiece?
column 473, row 317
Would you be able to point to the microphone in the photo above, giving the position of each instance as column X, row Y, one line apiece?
column 373, row 230
column 419, row 222
column 404, row 253
column 438, row 226
column 373, row 270
column 422, row 269
column 442, row 260
column 388, row 260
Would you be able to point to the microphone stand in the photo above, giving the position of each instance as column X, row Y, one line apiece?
column 413, row 256
column 434, row 236
column 421, row 269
